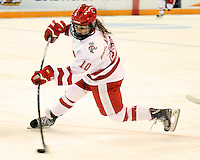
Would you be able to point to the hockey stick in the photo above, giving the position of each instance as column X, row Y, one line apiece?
column 38, row 101
column 193, row 99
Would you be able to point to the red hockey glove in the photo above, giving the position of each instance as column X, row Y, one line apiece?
column 54, row 30
column 42, row 76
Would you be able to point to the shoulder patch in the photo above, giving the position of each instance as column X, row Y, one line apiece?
column 92, row 47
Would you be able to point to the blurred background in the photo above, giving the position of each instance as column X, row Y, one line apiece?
column 53, row 8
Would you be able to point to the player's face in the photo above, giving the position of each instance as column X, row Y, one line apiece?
column 82, row 30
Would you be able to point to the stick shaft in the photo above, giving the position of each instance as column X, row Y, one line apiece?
column 45, row 52
column 38, row 95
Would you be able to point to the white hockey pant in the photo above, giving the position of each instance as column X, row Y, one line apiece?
column 108, row 99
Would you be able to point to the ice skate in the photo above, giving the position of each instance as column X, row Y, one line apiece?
column 46, row 121
column 163, row 115
column 168, row 117
column 160, row 15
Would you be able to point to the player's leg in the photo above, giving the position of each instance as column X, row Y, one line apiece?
column 170, row 4
column 109, row 101
column 72, row 94
column 161, row 8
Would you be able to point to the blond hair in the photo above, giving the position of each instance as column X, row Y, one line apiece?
column 101, row 27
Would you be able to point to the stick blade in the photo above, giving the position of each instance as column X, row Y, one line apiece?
column 193, row 99
column 42, row 150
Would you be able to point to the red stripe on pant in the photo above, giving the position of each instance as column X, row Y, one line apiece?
column 126, row 116
column 170, row 1
column 134, row 113
column 64, row 103
column 114, row 93
column 97, row 99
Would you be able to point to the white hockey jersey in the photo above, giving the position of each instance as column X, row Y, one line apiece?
column 96, row 62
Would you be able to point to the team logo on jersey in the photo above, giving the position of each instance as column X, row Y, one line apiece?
column 91, row 47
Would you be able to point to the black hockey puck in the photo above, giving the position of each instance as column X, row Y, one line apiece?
column 41, row 151
column 34, row 123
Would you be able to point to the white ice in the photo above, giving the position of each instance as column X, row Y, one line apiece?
column 161, row 58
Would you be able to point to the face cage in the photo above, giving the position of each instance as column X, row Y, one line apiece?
column 80, row 37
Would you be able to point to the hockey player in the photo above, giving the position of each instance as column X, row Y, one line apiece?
column 97, row 68
column 169, row 4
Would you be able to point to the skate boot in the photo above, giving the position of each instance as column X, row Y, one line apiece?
column 163, row 115
column 46, row 121
column 161, row 13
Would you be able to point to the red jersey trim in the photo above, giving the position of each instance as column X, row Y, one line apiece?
column 69, row 79
column 106, row 75
column 60, row 76
column 83, row 85
column 96, row 73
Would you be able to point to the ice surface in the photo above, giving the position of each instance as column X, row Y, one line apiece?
column 162, row 62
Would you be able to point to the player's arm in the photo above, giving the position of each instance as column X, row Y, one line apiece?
column 84, row 64
column 55, row 29
column 75, row 72
column 65, row 75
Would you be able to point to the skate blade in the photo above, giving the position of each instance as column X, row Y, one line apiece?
column 44, row 127
column 174, row 119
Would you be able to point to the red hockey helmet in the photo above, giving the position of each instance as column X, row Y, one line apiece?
column 84, row 15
